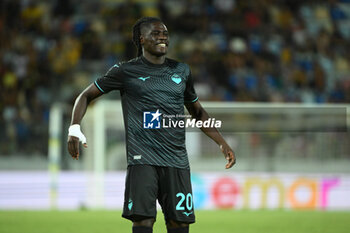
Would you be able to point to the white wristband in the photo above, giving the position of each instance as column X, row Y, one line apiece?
column 74, row 130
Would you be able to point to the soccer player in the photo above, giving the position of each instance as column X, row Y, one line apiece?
column 158, row 169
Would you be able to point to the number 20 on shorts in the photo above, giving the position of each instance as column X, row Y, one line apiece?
column 184, row 200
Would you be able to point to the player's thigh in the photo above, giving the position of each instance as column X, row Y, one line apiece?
column 141, row 189
column 175, row 195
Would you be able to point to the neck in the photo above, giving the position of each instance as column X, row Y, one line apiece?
column 154, row 59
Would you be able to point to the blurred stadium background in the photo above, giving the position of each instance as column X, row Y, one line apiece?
column 277, row 72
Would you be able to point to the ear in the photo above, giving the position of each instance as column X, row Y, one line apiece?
column 142, row 39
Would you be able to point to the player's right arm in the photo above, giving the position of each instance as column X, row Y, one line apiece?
column 112, row 80
column 79, row 110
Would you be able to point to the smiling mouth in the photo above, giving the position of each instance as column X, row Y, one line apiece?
column 163, row 45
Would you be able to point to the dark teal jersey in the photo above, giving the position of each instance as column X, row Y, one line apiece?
column 149, row 92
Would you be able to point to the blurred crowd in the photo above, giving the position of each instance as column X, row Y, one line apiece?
column 249, row 50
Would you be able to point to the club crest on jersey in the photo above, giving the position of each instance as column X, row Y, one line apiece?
column 176, row 78
column 151, row 120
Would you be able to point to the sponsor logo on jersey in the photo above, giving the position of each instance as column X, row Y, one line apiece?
column 144, row 78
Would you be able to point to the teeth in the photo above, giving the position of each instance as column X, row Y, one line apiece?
column 162, row 45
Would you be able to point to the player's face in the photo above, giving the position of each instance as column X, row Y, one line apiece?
column 155, row 39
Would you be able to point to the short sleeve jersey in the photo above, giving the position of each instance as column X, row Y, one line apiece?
column 148, row 88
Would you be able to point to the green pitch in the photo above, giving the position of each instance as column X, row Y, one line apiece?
column 220, row 221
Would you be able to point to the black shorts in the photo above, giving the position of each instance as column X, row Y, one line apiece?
column 171, row 186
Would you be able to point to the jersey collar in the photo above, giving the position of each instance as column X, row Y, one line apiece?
column 145, row 61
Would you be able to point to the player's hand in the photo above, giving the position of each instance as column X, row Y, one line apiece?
column 74, row 137
column 229, row 155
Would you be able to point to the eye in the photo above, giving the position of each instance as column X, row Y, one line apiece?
column 157, row 33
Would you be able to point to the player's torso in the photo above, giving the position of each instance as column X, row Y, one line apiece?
column 155, row 86
column 149, row 89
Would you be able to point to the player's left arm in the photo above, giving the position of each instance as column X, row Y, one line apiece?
column 199, row 113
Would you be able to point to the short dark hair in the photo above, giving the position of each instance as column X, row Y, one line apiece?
column 136, row 31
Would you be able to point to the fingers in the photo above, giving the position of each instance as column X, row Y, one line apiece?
column 230, row 157
column 231, row 162
column 76, row 150
column 73, row 147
